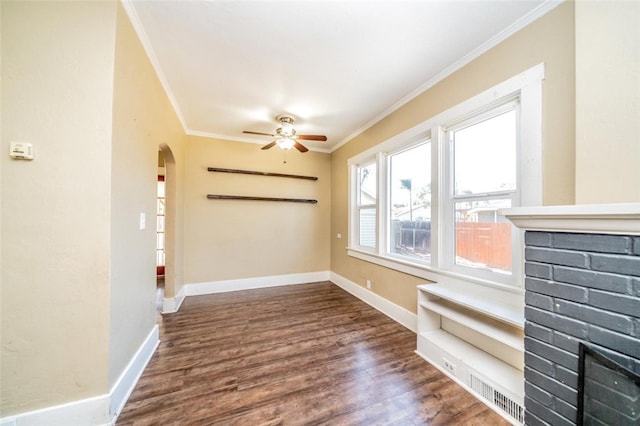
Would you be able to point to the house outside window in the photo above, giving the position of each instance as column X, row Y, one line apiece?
column 367, row 205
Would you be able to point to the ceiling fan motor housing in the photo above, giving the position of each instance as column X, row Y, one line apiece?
column 286, row 130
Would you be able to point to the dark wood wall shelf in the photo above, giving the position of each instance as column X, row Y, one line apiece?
column 251, row 172
column 240, row 197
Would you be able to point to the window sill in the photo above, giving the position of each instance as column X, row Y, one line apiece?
column 482, row 291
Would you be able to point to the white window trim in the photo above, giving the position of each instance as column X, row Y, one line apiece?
column 526, row 86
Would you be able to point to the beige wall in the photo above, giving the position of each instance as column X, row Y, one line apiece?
column 78, row 276
column 143, row 119
column 57, row 85
column 608, row 102
column 226, row 240
column 550, row 40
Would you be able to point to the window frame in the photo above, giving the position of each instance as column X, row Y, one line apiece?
column 448, row 260
column 526, row 89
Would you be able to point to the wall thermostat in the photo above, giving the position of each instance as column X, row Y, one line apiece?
column 21, row 150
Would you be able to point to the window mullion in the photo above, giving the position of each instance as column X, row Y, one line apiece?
column 448, row 215
column 443, row 209
column 382, row 206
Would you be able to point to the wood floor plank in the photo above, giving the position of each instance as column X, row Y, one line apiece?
column 293, row 355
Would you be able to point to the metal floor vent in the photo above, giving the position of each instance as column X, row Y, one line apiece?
column 497, row 399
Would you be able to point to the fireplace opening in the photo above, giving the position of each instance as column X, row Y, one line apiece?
column 608, row 393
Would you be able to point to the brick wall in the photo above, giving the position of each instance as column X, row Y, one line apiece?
column 579, row 288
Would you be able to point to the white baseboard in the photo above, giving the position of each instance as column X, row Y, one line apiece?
column 123, row 387
column 199, row 289
column 101, row 410
column 397, row 313
column 172, row 305
column 85, row 412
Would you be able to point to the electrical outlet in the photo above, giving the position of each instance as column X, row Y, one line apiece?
column 369, row 284
column 449, row 366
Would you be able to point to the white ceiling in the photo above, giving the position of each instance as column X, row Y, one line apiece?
column 337, row 66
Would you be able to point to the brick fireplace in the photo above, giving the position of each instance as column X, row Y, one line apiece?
column 582, row 285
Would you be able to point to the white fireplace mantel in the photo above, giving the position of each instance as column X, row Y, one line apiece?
column 593, row 218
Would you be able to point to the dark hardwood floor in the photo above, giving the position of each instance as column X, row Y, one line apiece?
column 295, row 355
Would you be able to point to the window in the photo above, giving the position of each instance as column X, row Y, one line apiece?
column 410, row 202
column 367, row 205
column 484, row 165
column 428, row 201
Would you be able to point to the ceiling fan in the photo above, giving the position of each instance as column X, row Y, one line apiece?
column 286, row 137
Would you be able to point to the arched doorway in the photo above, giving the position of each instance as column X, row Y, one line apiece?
column 169, row 224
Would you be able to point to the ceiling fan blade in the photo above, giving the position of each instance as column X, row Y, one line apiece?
column 321, row 138
column 269, row 145
column 257, row 133
column 300, row 147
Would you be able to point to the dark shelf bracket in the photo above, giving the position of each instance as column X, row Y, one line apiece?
column 250, row 172
column 240, row 197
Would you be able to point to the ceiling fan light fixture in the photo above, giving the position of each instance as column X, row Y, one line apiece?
column 285, row 143
column 286, row 137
